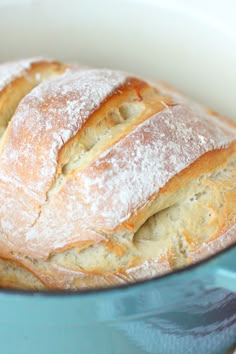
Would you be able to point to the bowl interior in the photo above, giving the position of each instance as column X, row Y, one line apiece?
column 183, row 43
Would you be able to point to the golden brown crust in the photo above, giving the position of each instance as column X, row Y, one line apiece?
column 21, row 80
column 14, row 275
column 109, row 180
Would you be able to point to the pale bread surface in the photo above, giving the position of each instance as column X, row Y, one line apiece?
column 107, row 179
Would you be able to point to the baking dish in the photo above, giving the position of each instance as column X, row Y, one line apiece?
column 191, row 311
column 192, row 47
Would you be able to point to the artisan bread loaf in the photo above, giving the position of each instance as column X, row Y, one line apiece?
column 106, row 178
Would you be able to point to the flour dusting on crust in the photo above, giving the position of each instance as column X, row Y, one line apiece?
column 49, row 116
column 12, row 70
column 44, row 121
column 124, row 178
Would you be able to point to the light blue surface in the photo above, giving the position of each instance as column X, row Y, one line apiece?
column 193, row 309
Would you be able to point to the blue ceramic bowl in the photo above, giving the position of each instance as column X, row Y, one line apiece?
column 190, row 311
column 190, row 44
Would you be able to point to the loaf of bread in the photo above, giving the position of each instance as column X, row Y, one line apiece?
column 107, row 179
